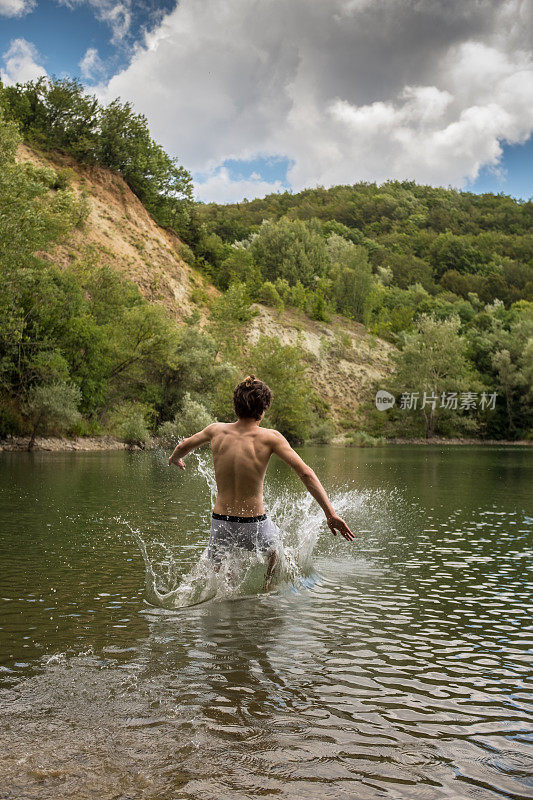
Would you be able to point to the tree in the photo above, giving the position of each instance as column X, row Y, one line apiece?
column 290, row 249
column 229, row 313
column 9, row 137
column 450, row 252
column 58, row 114
column 125, row 145
column 283, row 368
column 318, row 306
column 498, row 345
column 237, row 267
column 36, row 300
column 34, row 213
column 432, row 361
column 527, row 371
column 509, row 379
column 52, row 405
column 351, row 277
column 144, row 338
column 195, row 369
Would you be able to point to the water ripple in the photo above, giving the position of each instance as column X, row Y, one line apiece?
column 398, row 669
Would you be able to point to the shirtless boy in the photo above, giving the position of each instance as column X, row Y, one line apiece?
column 241, row 452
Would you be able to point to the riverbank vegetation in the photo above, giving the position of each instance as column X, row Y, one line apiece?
column 82, row 351
column 444, row 276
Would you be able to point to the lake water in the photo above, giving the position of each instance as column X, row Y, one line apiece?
column 397, row 666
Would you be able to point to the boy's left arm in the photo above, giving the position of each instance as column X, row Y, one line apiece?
column 189, row 444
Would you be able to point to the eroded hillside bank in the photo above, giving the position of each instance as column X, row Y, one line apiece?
column 343, row 361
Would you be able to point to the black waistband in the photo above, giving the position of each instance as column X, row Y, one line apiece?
column 229, row 518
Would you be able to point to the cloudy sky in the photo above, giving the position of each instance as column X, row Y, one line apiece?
column 255, row 96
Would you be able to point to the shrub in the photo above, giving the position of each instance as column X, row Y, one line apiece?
column 318, row 307
column 64, row 178
column 129, row 422
column 283, row 288
column 186, row 253
column 237, row 266
column 86, row 427
column 199, row 296
column 322, row 432
column 269, row 295
column 229, row 313
column 298, row 296
column 193, row 417
column 363, row 439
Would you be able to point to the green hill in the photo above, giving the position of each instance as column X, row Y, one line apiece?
column 124, row 302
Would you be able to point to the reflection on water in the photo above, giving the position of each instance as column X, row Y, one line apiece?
column 397, row 667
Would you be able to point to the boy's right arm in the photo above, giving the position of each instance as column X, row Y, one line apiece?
column 282, row 448
column 191, row 443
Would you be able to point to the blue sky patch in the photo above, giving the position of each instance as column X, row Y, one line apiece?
column 63, row 34
column 513, row 176
column 268, row 168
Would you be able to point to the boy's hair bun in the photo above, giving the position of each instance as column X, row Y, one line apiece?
column 251, row 398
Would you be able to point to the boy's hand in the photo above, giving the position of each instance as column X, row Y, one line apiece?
column 178, row 462
column 336, row 523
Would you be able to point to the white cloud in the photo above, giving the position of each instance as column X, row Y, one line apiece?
column 442, row 137
column 21, row 63
column 91, row 65
column 16, row 8
column 346, row 90
column 116, row 14
column 219, row 187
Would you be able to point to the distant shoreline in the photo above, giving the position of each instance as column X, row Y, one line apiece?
column 60, row 444
column 439, row 440
column 63, row 444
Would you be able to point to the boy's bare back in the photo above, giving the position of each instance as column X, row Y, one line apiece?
column 240, row 456
column 241, row 452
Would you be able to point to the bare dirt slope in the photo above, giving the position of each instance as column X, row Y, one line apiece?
column 343, row 360
column 121, row 233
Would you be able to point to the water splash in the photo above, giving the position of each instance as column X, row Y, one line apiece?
column 242, row 573
column 300, row 521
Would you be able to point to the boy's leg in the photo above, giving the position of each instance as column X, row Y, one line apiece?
column 272, row 559
column 270, row 541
